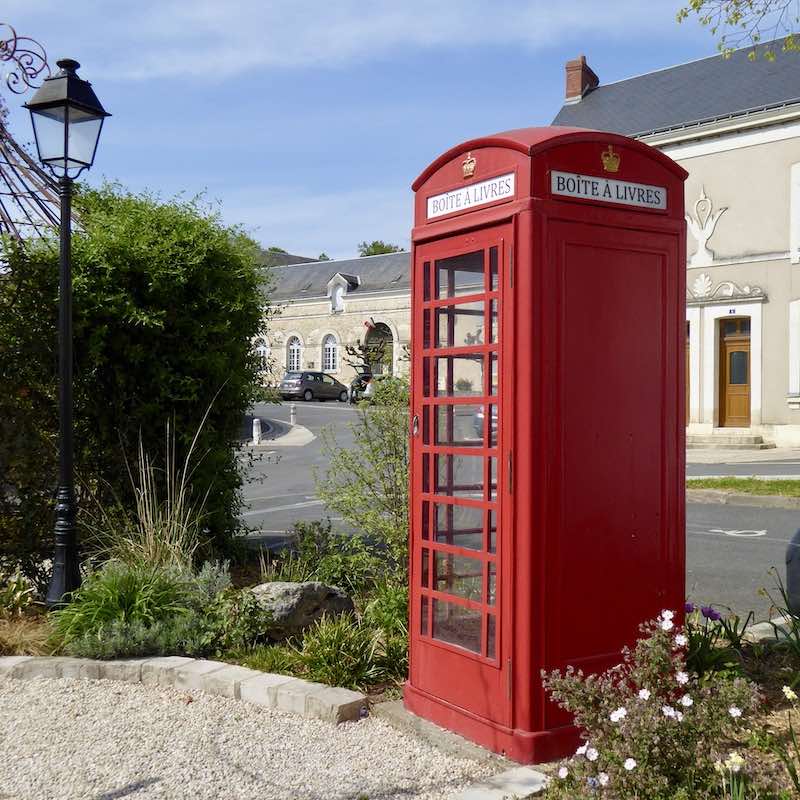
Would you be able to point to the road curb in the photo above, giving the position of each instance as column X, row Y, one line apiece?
column 724, row 497
column 281, row 692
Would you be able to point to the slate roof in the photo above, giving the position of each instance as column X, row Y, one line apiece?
column 308, row 281
column 689, row 94
column 269, row 258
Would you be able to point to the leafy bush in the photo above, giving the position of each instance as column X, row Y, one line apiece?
column 166, row 303
column 715, row 640
column 17, row 594
column 316, row 553
column 367, row 482
column 125, row 595
column 652, row 730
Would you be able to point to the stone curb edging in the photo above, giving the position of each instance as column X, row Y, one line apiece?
column 281, row 692
column 732, row 498
column 517, row 782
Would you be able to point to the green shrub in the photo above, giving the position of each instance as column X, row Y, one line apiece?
column 316, row 553
column 652, row 729
column 277, row 658
column 710, row 635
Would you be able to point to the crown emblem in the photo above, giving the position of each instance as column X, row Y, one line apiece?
column 468, row 165
column 610, row 159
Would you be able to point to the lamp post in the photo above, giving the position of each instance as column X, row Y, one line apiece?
column 67, row 119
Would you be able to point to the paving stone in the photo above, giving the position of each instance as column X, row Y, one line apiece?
column 81, row 669
column 517, row 782
column 38, row 667
column 127, row 669
column 262, row 690
column 191, row 676
column 292, row 695
column 162, row 670
column 226, row 681
column 7, row 663
column 335, row 704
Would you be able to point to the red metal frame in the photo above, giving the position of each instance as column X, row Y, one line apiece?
column 588, row 459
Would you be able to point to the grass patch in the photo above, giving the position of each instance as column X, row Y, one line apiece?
column 27, row 636
column 783, row 488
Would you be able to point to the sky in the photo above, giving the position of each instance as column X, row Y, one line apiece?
column 306, row 121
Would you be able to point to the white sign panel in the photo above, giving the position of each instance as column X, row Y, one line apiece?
column 591, row 187
column 477, row 194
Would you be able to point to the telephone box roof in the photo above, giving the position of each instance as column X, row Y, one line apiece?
column 535, row 140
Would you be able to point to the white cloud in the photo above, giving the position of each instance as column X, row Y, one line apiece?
column 308, row 224
column 218, row 39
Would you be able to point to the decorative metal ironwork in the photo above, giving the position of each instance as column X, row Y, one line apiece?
column 27, row 57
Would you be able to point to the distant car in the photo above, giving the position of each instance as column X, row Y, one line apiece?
column 312, row 386
column 478, row 420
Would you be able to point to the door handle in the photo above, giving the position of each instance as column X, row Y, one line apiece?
column 415, row 426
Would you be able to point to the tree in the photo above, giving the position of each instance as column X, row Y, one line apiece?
column 166, row 304
column 739, row 23
column 367, row 482
column 377, row 248
column 323, row 257
column 274, row 249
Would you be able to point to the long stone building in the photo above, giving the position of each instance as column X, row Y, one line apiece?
column 734, row 124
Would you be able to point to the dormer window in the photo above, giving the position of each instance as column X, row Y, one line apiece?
column 338, row 287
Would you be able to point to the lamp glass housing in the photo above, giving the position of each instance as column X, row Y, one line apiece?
column 66, row 137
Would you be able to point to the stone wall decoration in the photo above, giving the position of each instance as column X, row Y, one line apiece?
column 702, row 225
column 703, row 291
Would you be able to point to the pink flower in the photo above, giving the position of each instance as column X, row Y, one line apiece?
column 682, row 678
column 563, row 772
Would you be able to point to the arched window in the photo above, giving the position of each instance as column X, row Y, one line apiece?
column 293, row 355
column 262, row 350
column 330, row 354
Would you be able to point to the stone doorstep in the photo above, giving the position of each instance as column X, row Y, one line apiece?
column 282, row 692
column 519, row 782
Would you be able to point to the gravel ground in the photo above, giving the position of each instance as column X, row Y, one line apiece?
column 102, row 740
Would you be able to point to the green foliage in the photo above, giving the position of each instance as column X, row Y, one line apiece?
column 367, row 483
column 652, row 729
column 316, row 553
column 277, row 658
column 17, row 594
column 740, row 23
column 166, row 303
column 323, row 257
column 714, row 645
column 787, row 747
column 376, row 248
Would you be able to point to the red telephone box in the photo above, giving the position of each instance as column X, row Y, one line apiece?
column 547, row 486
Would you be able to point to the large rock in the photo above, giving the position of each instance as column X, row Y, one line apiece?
column 296, row 606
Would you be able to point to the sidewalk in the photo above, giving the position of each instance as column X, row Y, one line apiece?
column 742, row 456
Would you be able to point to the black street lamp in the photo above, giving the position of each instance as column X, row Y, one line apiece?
column 67, row 118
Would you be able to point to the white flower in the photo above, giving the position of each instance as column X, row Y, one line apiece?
column 679, row 716
column 581, row 750
column 563, row 772
column 668, row 711
column 789, row 693
column 667, row 614
column 629, row 764
column 686, row 701
column 619, row 714
column 592, row 754
column 644, row 694
column 681, row 640
column 602, row 778
column 682, row 678
column 734, row 762
column 667, row 624
column 735, row 712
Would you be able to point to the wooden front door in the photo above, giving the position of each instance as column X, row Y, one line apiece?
column 734, row 373
column 460, row 641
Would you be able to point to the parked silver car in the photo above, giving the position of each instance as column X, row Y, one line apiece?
column 312, row 386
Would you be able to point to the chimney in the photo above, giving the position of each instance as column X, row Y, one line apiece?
column 580, row 79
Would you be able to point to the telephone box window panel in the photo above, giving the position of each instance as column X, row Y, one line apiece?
column 547, row 448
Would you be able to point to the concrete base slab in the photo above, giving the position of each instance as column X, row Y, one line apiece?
column 519, row 782
column 395, row 713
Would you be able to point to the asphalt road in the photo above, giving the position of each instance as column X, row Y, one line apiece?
column 729, row 549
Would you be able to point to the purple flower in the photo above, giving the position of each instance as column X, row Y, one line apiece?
column 689, row 608
column 709, row 613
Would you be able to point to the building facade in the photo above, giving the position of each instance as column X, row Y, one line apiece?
column 734, row 124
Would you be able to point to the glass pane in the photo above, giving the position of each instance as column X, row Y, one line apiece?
column 48, row 125
column 425, row 520
column 426, row 280
column 426, row 329
column 493, row 429
column 424, row 581
column 458, row 575
column 459, row 326
column 426, row 377
column 491, row 636
column 492, row 532
column 84, row 131
column 459, row 425
column 494, row 375
column 729, row 327
column 492, row 589
column 493, row 331
column 492, row 478
column 459, row 376
column 493, row 268
column 744, row 325
column 425, row 472
column 457, row 625
column 461, row 526
column 738, row 368
column 459, row 476
column 460, row 275
column 423, row 621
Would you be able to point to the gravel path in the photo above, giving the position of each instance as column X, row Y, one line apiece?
column 102, row 740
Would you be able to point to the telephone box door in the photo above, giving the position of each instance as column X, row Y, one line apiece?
column 462, row 328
